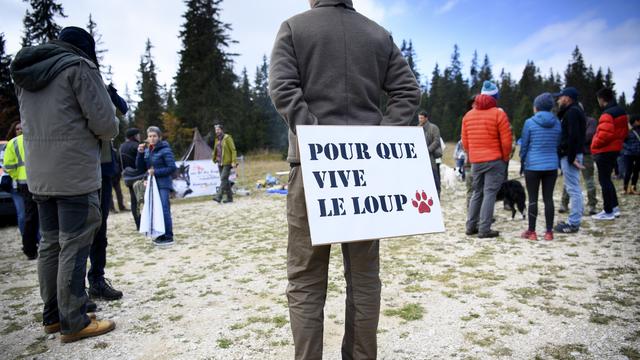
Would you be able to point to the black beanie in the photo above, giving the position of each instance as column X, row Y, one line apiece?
column 81, row 39
column 132, row 132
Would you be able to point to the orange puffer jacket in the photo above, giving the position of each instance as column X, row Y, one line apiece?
column 611, row 131
column 486, row 133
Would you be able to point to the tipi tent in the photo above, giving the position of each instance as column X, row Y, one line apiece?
column 199, row 150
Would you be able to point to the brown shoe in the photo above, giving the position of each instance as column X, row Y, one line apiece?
column 95, row 328
column 55, row 327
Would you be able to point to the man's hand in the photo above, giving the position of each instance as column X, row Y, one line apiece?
column 577, row 164
column 141, row 148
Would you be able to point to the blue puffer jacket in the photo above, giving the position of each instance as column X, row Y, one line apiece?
column 540, row 140
column 631, row 144
column 162, row 161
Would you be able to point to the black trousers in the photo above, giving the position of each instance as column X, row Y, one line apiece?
column 135, row 212
column 115, row 183
column 31, row 234
column 98, row 253
column 606, row 162
column 632, row 168
column 534, row 179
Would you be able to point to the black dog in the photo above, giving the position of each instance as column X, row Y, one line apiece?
column 512, row 193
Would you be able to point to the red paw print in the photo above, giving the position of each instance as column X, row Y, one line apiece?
column 421, row 203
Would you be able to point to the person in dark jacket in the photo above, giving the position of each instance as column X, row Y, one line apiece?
column 66, row 111
column 432, row 137
column 128, row 152
column 587, row 173
column 117, row 187
column 571, row 151
column 606, row 145
column 631, row 154
column 330, row 66
column 159, row 162
column 539, row 154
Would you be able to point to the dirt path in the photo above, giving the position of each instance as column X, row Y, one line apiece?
column 218, row 293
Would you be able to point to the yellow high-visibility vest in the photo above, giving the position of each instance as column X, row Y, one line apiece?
column 13, row 162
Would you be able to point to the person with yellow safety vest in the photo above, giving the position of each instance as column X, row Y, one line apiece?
column 13, row 164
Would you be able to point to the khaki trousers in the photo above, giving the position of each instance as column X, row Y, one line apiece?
column 307, row 270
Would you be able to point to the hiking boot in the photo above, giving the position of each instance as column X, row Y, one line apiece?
column 489, row 234
column 217, row 199
column 102, row 289
column 603, row 216
column 95, row 328
column 529, row 235
column 616, row 211
column 225, row 201
column 55, row 327
column 163, row 241
column 548, row 235
column 592, row 211
column 566, row 228
column 32, row 256
column 471, row 232
column 563, row 209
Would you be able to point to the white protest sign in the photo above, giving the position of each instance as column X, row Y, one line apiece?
column 196, row 178
column 367, row 182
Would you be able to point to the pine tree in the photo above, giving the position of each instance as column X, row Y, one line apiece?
column 249, row 129
column 205, row 82
column 39, row 23
column 622, row 101
column 530, row 85
column 149, row 109
column 485, row 71
column 474, row 78
column 97, row 38
column 275, row 129
column 8, row 102
column 582, row 78
column 508, row 94
column 410, row 55
column 635, row 103
column 454, row 92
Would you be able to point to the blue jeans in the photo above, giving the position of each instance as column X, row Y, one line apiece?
column 166, row 211
column 18, row 201
column 572, row 186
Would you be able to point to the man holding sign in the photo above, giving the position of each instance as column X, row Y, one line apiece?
column 330, row 66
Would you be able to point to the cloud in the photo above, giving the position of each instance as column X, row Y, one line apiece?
column 605, row 45
column 371, row 9
column 447, row 6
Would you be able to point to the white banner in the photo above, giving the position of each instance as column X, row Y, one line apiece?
column 367, row 182
column 197, row 178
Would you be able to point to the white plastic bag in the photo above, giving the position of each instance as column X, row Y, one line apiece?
column 151, row 217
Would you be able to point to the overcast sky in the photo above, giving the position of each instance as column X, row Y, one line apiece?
column 545, row 31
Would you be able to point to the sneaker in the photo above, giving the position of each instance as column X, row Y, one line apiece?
column 471, row 232
column 563, row 210
column 489, row 234
column 95, row 328
column 566, row 228
column 548, row 235
column 529, row 235
column 102, row 289
column 55, row 327
column 603, row 216
column 616, row 211
column 163, row 241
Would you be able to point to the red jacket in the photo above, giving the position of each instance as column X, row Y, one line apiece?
column 486, row 133
column 611, row 131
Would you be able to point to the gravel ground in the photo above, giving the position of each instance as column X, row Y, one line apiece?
column 218, row 293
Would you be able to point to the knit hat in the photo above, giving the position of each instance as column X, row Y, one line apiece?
column 132, row 132
column 544, row 102
column 489, row 88
column 81, row 39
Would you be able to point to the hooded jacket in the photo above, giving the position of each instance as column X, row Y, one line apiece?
column 65, row 109
column 540, row 139
column 574, row 128
column 611, row 131
column 331, row 65
column 486, row 132
column 163, row 162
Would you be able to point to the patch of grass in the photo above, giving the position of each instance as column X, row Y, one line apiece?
column 19, row 292
column 409, row 312
column 631, row 353
column 11, row 327
column 524, row 294
column 509, row 330
column 633, row 336
column 101, row 345
column 564, row 352
column 481, row 257
column 559, row 311
column 502, row 351
column 192, row 278
column 35, row 348
column 145, row 318
column 415, row 289
column 279, row 343
column 599, row 318
column 278, row 321
column 164, row 294
column 477, row 339
column 244, row 280
column 175, row 318
column 469, row 317
column 224, row 343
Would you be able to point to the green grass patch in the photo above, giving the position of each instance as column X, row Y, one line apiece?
column 631, row 353
column 563, row 352
column 224, row 343
column 409, row 312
